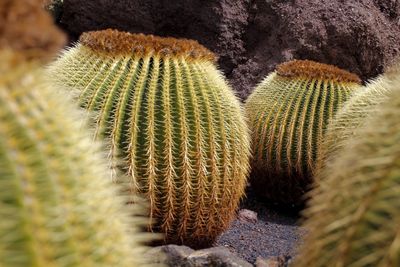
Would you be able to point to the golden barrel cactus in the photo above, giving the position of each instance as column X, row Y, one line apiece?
column 172, row 124
column 353, row 217
column 288, row 115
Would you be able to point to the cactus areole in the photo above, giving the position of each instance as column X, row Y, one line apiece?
column 288, row 115
column 172, row 122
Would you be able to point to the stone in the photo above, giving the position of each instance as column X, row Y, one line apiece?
column 182, row 256
column 271, row 262
column 218, row 257
column 246, row 215
column 252, row 37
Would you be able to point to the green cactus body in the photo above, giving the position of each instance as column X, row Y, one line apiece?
column 57, row 205
column 354, row 214
column 288, row 115
column 351, row 117
column 169, row 114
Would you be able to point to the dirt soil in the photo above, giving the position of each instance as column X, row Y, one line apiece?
column 275, row 234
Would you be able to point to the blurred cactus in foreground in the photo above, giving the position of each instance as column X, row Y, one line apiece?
column 57, row 205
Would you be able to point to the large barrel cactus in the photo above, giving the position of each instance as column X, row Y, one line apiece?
column 171, row 118
column 288, row 115
column 353, row 115
column 354, row 214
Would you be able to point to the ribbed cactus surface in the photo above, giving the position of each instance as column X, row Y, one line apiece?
column 354, row 214
column 352, row 116
column 288, row 115
column 57, row 205
column 171, row 118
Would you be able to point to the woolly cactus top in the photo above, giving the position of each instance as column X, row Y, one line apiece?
column 312, row 69
column 28, row 29
column 117, row 42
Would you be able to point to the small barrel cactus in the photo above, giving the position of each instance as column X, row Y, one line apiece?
column 354, row 214
column 352, row 116
column 173, row 122
column 288, row 115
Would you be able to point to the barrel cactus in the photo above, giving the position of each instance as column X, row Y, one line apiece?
column 288, row 115
column 354, row 213
column 171, row 119
column 353, row 115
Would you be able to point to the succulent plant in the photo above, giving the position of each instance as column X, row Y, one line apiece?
column 354, row 213
column 288, row 115
column 352, row 116
column 168, row 113
column 57, row 205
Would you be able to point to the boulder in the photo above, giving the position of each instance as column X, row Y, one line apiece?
column 252, row 37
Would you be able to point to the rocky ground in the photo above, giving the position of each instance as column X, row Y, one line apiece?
column 262, row 235
column 262, row 231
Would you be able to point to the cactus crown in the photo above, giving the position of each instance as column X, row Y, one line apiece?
column 312, row 69
column 117, row 42
column 17, row 33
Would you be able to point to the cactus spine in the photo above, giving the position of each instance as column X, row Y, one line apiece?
column 354, row 214
column 171, row 117
column 288, row 114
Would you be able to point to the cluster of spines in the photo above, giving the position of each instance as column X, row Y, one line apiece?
column 288, row 114
column 176, row 125
column 57, row 205
column 353, row 216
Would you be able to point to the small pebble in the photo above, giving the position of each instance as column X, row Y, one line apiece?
column 246, row 215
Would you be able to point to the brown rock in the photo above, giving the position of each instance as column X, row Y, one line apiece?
column 252, row 37
column 246, row 215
